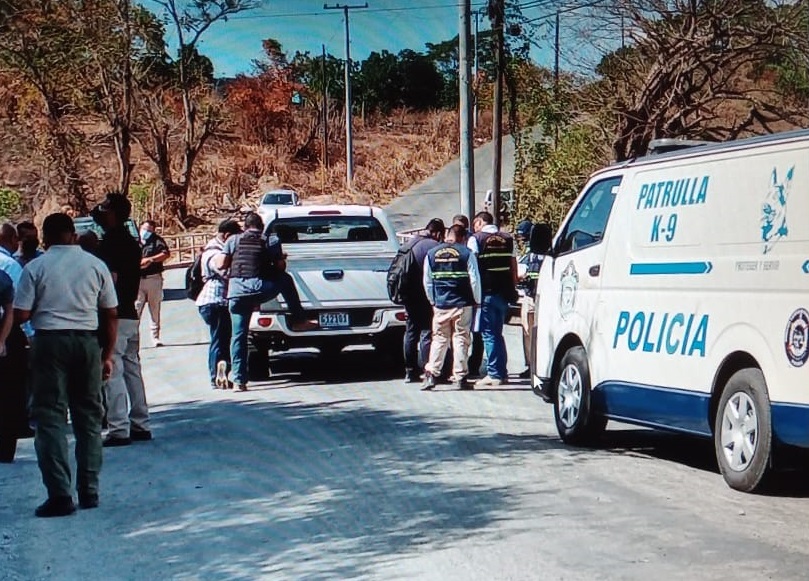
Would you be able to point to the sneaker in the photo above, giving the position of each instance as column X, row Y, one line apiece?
column 88, row 500
column 429, row 382
column 241, row 386
column 140, row 435
column 299, row 326
column 492, row 381
column 411, row 377
column 114, row 442
column 158, row 343
column 57, row 506
column 525, row 374
column 221, row 375
column 463, row 384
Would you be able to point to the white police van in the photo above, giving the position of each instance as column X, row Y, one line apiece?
column 675, row 295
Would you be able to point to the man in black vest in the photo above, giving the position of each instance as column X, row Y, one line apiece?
column 528, row 273
column 419, row 312
column 498, row 272
column 452, row 285
column 257, row 274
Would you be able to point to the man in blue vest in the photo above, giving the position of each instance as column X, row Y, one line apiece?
column 452, row 285
column 257, row 274
column 498, row 273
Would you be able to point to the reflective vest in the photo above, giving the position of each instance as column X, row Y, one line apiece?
column 532, row 273
column 451, row 285
column 495, row 251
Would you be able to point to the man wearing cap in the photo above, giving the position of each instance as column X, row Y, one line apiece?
column 127, row 410
column 69, row 297
column 527, row 274
column 154, row 252
column 419, row 324
column 212, row 303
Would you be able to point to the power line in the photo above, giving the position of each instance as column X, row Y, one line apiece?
column 369, row 10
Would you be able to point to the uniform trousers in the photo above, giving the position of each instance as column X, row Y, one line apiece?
column 150, row 293
column 124, row 391
column 450, row 325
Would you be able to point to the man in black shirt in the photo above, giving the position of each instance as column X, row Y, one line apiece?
column 154, row 252
column 127, row 411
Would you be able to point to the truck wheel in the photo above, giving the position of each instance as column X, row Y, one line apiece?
column 576, row 422
column 743, row 430
column 258, row 361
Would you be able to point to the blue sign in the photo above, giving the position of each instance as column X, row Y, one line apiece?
column 671, row 333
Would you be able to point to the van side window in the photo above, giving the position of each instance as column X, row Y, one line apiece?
column 586, row 225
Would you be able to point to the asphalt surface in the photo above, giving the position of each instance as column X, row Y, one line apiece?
column 338, row 470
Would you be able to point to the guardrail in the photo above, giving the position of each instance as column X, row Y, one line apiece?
column 185, row 248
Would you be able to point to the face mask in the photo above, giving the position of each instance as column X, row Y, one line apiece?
column 145, row 235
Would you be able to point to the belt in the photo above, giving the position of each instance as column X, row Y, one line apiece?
column 151, row 275
column 64, row 333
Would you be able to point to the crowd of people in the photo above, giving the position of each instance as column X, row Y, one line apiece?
column 467, row 282
column 70, row 343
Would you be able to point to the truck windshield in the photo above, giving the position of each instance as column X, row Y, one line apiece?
column 278, row 200
column 332, row 228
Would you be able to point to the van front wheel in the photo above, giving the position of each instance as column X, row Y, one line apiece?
column 575, row 420
column 743, row 430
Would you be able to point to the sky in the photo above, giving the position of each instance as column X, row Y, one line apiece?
column 304, row 25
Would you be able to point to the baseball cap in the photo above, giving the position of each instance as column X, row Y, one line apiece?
column 524, row 229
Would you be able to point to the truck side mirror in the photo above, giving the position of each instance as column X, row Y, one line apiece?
column 541, row 239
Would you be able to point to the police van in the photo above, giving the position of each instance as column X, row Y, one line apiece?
column 675, row 295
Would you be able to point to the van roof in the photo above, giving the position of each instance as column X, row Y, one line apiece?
column 711, row 148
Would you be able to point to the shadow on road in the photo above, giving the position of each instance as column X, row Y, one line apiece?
column 325, row 491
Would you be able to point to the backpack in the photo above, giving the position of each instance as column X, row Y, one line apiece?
column 193, row 279
column 400, row 274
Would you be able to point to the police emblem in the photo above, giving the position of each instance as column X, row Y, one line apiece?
column 796, row 338
column 570, row 283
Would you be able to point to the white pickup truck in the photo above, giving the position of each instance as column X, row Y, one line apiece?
column 338, row 256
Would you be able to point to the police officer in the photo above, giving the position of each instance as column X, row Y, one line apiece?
column 452, row 285
column 498, row 273
column 528, row 273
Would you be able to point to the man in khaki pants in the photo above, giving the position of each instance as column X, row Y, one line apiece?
column 154, row 252
column 452, row 284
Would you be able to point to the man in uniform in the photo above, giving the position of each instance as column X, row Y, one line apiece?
column 29, row 243
column 498, row 272
column 154, row 253
column 127, row 410
column 528, row 273
column 452, row 285
column 257, row 266
column 13, row 371
column 69, row 297
column 418, row 326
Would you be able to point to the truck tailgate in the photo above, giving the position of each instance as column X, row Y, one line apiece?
column 332, row 281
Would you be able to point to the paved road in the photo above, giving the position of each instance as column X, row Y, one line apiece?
column 339, row 471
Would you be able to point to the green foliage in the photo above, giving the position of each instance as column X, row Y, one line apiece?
column 10, row 203
column 140, row 195
column 548, row 179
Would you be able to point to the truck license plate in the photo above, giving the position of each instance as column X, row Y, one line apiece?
column 328, row 320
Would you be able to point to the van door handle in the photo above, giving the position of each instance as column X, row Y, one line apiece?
column 333, row 274
column 595, row 270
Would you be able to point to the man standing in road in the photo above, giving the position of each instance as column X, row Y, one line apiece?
column 258, row 273
column 212, row 303
column 13, row 373
column 418, row 327
column 8, row 246
column 527, row 273
column 127, row 410
column 452, row 285
column 69, row 297
column 498, row 272
column 29, row 243
column 154, row 252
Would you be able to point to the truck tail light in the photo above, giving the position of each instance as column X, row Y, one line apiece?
column 401, row 316
column 264, row 321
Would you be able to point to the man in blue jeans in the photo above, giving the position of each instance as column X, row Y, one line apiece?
column 498, row 273
column 257, row 274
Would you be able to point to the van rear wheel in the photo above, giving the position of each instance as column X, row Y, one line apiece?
column 576, row 421
column 743, row 430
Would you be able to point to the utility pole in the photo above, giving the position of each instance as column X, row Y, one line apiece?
column 349, row 140
column 325, row 108
column 475, row 75
column 466, row 120
column 496, row 14
column 556, row 79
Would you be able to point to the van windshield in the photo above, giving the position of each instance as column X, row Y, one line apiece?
column 333, row 228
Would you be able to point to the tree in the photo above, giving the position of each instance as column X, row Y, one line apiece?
column 695, row 70
column 187, row 105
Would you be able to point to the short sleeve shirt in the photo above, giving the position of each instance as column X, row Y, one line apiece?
column 121, row 253
column 6, row 290
column 152, row 247
column 64, row 290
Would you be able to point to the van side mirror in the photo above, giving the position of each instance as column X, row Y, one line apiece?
column 541, row 239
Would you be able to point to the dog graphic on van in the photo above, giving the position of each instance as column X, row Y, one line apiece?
column 774, row 210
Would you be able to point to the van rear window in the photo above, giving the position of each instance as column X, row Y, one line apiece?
column 311, row 229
